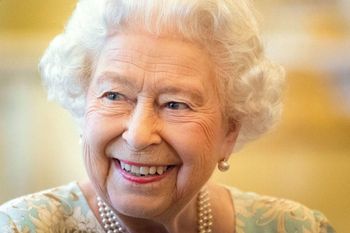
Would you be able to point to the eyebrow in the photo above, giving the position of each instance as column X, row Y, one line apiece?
column 193, row 93
column 114, row 77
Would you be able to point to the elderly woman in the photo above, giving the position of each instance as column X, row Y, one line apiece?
column 163, row 91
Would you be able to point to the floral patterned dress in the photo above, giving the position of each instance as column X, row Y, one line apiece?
column 65, row 209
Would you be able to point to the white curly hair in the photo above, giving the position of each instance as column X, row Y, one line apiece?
column 249, row 83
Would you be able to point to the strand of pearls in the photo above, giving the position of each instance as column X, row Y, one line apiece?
column 204, row 215
column 109, row 218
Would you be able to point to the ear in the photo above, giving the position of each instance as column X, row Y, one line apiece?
column 230, row 140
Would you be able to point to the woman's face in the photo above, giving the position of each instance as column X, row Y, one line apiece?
column 153, row 125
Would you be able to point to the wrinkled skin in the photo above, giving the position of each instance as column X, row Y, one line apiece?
column 154, row 101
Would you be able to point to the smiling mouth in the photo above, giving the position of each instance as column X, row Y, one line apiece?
column 143, row 170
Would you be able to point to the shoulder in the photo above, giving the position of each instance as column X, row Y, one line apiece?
column 60, row 209
column 259, row 213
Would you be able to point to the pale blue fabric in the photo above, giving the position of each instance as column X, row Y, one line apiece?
column 64, row 209
column 264, row 214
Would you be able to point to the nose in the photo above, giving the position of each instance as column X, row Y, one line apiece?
column 142, row 128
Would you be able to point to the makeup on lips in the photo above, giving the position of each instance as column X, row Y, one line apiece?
column 142, row 173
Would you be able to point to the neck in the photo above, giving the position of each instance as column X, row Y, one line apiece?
column 185, row 220
column 181, row 219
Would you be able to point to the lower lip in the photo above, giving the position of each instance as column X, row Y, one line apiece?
column 139, row 179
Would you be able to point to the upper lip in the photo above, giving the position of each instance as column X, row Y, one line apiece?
column 148, row 164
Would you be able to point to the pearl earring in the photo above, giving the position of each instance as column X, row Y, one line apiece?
column 223, row 165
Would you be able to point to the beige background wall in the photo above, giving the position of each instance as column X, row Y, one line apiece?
column 306, row 158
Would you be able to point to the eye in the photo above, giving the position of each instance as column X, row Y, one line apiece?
column 113, row 96
column 176, row 105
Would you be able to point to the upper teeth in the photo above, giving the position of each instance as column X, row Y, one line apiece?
column 143, row 170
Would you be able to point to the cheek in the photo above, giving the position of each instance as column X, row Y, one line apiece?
column 206, row 133
column 198, row 161
column 196, row 142
column 96, row 166
column 199, row 153
column 99, row 131
column 101, row 127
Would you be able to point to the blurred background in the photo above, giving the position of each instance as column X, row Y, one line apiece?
column 306, row 158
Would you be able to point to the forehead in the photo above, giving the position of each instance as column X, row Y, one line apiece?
column 137, row 53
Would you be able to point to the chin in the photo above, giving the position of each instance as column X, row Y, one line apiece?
column 139, row 206
column 140, row 200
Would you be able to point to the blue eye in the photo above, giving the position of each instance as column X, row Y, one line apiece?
column 113, row 96
column 176, row 105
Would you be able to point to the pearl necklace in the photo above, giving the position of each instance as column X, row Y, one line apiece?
column 204, row 215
